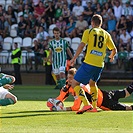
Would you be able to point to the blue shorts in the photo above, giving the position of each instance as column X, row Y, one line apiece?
column 87, row 72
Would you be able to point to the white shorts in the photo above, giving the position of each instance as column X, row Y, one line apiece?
column 3, row 92
column 57, row 71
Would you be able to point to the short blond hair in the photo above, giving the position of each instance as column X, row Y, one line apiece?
column 72, row 71
column 97, row 19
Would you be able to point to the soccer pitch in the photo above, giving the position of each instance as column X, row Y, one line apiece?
column 31, row 115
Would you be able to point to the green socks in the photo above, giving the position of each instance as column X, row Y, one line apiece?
column 61, row 83
column 5, row 80
column 7, row 101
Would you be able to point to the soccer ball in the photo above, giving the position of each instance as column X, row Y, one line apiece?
column 54, row 104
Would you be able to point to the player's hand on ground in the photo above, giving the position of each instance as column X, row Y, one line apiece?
column 8, row 87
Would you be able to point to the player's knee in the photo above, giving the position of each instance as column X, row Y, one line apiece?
column 128, row 107
column 13, row 79
column 14, row 98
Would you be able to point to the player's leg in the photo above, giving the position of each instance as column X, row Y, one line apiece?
column 129, row 90
column 6, row 79
column 114, row 105
column 82, row 76
column 94, row 77
column 62, row 71
column 110, row 101
column 81, row 94
column 6, row 98
column 117, row 94
column 64, row 93
column 94, row 93
column 54, row 77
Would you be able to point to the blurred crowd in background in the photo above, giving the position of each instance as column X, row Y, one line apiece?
column 35, row 17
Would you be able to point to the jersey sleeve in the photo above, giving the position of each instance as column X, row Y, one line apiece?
column 77, row 101
column 67, row 45
column 77, row 104
column 64, row 92
column 85, row 37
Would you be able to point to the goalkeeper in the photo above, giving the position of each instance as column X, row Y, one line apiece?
column 107, row 100
column 6, row 98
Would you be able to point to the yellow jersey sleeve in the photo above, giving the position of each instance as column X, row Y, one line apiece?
column 98, row 40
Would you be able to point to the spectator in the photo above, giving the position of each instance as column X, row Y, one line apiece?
column 125, row 40
column 105, row 15
column 131, row 3
column 77, row 9
column 58, row 10
column 38, row 51
column 88, row 13
column 61, row 24
column 16, row 3
column 21, row 27
column 48, row 67
column 117, row 9
column 35, row 2
column 107, row 7
column 127, row 9
column 41, row 23
column 10, row 15
column 70, row 28
column 1, row 43
column 107, row 62
column 107, row 12
column 65, row 13
column 2, row 12
column 42, row 36
column 129, row 22
column 50, row 11
column 81, row 25
column 111, row 23
column 27, row 11
column 16, row 61
column 121, row 24
column 31, row 26
column 98, row 9
column 4, row 27
column 72, row 4
column 20, row 9
column 122, row 58
column 39, row 11
column 85, row 2
column 115, row 38
column 131, row 33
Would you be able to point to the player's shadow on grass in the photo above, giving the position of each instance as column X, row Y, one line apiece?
column 37, row 113
column 31, row 111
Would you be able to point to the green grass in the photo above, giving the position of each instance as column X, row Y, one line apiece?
column 31, row 115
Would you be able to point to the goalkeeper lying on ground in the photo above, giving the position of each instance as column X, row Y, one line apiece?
column 107, row 100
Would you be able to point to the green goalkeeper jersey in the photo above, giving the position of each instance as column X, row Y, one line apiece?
column 59, row 52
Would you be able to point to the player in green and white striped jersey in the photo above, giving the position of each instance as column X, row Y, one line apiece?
column 58, row 55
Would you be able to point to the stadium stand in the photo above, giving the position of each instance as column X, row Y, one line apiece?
column 33, row 24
